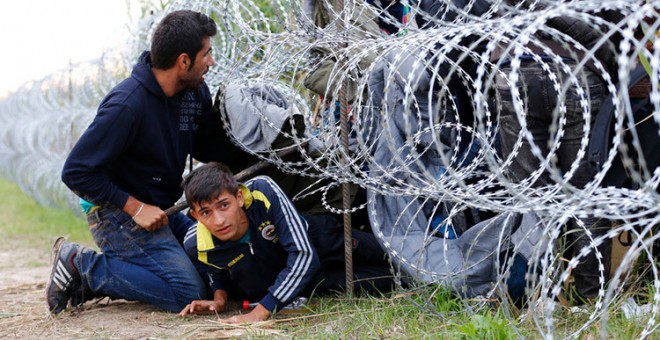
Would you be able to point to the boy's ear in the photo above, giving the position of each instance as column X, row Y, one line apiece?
column 193, row 213
column 239, row 197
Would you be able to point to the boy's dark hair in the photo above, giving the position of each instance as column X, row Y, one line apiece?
column 180, row 32
column 207, row 182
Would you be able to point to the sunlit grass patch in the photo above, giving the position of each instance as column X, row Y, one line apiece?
column 21, row 215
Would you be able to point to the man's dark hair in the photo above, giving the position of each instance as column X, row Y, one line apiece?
column 207, row 182
column 180, row 32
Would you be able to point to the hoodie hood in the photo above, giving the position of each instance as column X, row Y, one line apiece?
column 144, row 75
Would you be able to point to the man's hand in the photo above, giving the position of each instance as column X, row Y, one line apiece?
column 149, row 217
column 203, row 307
column 258, row 314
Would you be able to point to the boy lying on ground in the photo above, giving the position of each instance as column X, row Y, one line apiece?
column 256, row 245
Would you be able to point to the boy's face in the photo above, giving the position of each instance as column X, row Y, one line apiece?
column 223, row 216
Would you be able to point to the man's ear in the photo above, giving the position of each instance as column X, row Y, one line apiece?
column 183, row 61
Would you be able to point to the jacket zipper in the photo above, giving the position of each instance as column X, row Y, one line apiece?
column 250, row 245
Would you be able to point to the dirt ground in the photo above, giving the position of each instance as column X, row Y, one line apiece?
column 23, row 312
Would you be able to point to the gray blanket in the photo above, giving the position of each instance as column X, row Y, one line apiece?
column 407, row 152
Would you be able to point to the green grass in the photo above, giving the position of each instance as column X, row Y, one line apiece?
column 400, row 316
column 426, row 312
column 21, row 216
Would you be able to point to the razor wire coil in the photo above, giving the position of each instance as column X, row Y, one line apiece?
column 396, row 142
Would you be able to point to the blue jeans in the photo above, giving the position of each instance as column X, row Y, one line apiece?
column 139, row 265
column 540, row 100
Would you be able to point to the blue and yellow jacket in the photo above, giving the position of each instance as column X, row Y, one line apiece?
column 273, row 262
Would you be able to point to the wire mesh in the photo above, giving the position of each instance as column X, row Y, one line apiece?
column 445, row 126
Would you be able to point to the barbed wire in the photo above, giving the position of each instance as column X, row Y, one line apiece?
column 456, row 189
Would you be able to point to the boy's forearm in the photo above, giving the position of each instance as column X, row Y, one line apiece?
column 220, row 296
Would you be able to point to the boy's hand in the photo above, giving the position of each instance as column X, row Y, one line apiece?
column 259, row 313
column 203, row 307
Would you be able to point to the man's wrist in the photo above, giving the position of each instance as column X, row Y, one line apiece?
column 139, row 210
column 133, row 207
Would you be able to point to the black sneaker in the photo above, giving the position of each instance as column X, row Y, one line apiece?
column 64, row 278
column 82, row 295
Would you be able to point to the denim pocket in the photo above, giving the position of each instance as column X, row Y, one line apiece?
column 121, row 218
column 112, row 232
column 99, row 231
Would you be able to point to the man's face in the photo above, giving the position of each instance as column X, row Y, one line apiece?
column 223, row 216
column 203, row 61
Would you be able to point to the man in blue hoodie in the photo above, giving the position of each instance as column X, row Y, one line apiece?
column 127, row 169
